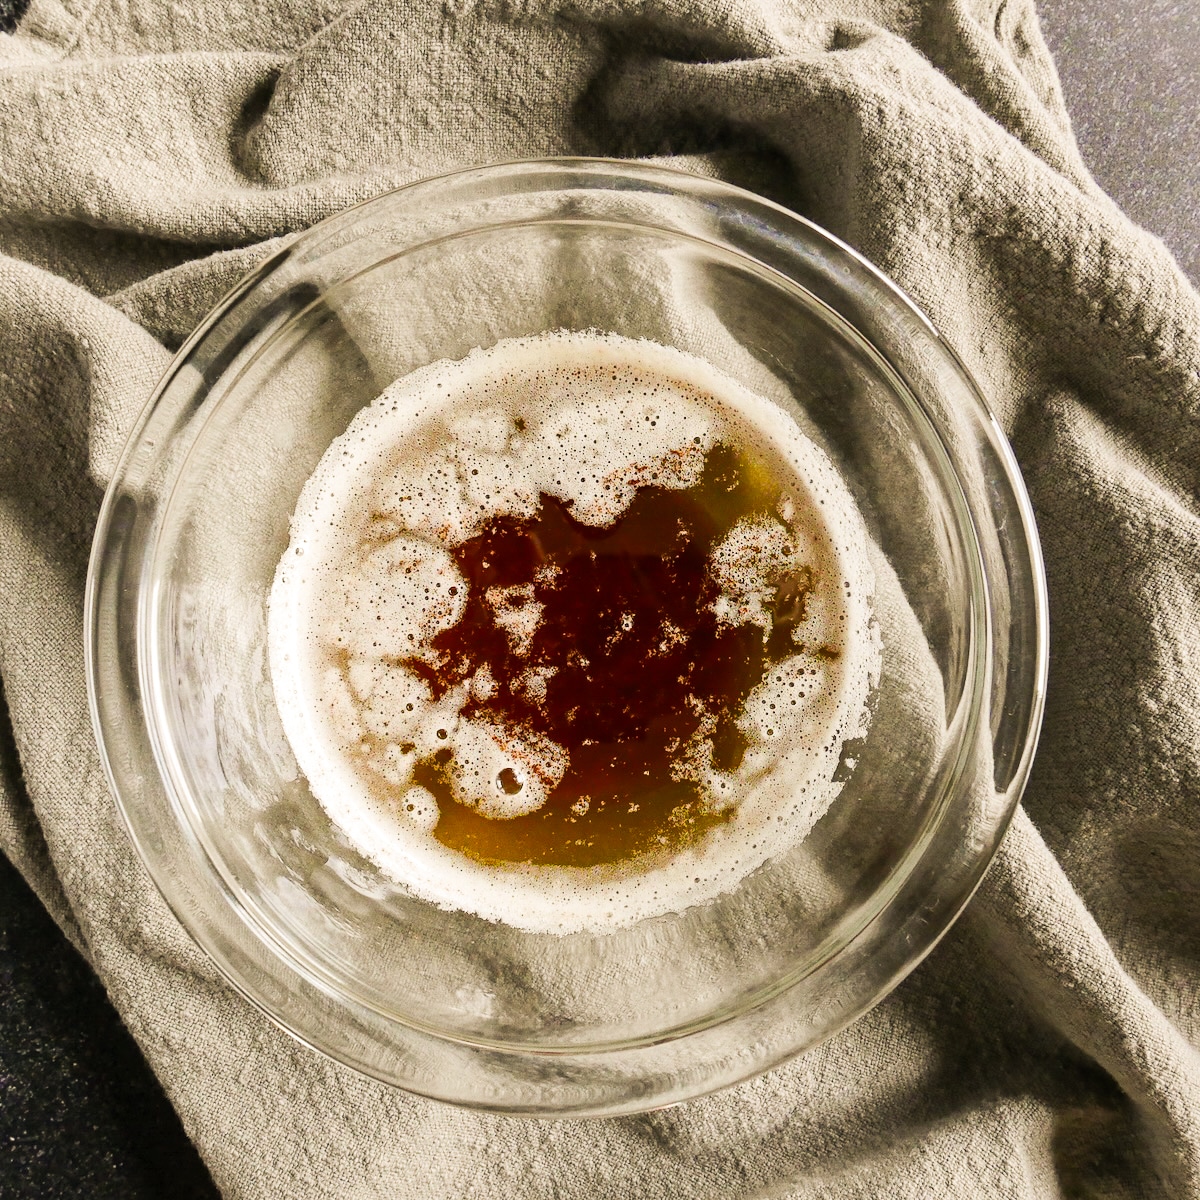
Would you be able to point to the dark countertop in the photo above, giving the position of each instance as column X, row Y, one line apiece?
column 1131, row 77
column 80, row 1113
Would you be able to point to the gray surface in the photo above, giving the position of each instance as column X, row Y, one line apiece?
column 1130, row 71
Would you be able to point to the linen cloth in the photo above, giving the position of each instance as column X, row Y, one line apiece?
column 152, row 153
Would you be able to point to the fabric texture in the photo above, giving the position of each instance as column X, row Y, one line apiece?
column 150, row 154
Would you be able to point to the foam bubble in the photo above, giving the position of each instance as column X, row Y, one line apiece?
column 368, row 580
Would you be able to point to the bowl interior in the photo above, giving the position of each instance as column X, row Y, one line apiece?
column 372, row 304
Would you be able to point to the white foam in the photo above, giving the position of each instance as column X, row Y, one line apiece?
column 748, row 561
column 367, row 578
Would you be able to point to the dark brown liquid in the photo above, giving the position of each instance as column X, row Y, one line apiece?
column 635, row 662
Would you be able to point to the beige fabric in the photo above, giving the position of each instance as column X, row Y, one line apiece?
column 148, row 154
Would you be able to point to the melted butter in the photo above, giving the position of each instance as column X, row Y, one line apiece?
column 636, row 667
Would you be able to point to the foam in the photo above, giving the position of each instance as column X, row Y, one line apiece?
column 367, row 578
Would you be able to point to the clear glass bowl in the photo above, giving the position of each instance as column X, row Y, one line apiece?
column 444, row 1003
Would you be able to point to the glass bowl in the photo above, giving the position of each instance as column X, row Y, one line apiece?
column 443, row 1002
